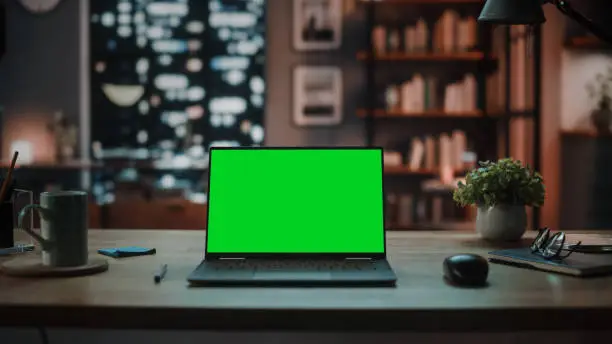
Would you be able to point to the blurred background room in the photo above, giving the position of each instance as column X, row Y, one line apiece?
column 124, row 98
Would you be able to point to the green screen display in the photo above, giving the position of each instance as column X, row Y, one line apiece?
column 295, row 201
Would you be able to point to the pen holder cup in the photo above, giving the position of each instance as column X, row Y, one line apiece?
column 7, row 224
column 9, row 210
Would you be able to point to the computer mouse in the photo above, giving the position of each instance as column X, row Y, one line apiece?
column 466, row 270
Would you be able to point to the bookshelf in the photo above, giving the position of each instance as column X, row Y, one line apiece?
column 588, row 133
column 457, row 76
column 421, row 2
column 424, row 56
column 405, row 170
column 383, row 113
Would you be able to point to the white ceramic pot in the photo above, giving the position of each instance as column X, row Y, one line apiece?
column 501, row 222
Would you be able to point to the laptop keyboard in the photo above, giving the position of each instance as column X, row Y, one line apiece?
column 294, row 265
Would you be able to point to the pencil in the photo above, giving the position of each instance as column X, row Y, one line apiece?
column 8, row 180
column 159, row 276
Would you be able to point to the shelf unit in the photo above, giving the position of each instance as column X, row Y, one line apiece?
column 586, row 43
column 382, row 113
column 487, row 124
column 421, row 2
column 404, row 170
column 425, row 56
column 590, row 133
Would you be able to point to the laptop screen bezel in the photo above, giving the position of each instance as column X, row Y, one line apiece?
column 275, row 255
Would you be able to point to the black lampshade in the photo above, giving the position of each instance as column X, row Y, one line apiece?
column 512, row 12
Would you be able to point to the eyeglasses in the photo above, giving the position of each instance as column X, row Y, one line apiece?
column 551, row 246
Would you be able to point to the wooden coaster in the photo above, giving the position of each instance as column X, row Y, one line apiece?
column 32, row 267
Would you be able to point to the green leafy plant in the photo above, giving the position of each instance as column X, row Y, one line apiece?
column 505, row 182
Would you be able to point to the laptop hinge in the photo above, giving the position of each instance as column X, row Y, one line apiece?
column 232, row 258
column 358, row 258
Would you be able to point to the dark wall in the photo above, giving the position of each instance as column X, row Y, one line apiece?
column 596, row 10
column 282, row 58
column 2, row 29
column 40, row 70
column 586, row 192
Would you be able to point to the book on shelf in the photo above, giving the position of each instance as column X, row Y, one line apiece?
column 467, row 34
column 449, row 22
column 459, row 145
column 449, row 33
column 406, row 103
column 421, row 35
column 410, row 39
column 391, row 158
column 416, row 37
column 446, row 153
column 419, row 95
column 431, row 94
column 461, row 96
column 379, row 39
column 453, row 33
column 430, row 153
column 446, row 167
column 469, row 92
column 417, row 151
column 412, row 95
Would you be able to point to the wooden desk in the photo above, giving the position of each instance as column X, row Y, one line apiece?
column 126, row 297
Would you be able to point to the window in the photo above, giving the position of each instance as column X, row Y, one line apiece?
column 170, row 79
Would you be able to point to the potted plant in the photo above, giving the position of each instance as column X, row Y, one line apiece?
column 501, row 191
column 599, row 90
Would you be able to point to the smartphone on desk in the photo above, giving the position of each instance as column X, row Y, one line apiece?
column 123, row 252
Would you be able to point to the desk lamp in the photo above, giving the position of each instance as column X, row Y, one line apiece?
column 529, row 12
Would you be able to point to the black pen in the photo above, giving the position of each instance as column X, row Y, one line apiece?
column 159, row 276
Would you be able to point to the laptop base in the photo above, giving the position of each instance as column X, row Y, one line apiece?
column 377, row 274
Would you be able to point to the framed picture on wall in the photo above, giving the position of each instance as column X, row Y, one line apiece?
column 317, row 96
column 317, row 24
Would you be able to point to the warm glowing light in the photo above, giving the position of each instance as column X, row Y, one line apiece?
column 232, row 105
column 195, row 27
column 195, row 112
column 25, row 149
column 195, row 93
column 194, row 65
column 233, row 19
column 257, row 133
column 229, row 62
column 168, row 9
column 171, row 81
column 123, row 95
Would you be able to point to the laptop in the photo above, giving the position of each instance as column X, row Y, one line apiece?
column 295, row 216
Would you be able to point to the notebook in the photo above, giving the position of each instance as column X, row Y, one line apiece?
column 577, row 264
